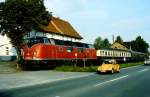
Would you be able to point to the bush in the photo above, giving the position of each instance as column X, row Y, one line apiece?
column 76, row 69
column 71, row 68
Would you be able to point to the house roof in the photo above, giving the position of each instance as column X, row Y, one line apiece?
column 61, row 27
column 119, row 46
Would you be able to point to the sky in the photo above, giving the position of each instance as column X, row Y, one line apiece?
column 104, row 18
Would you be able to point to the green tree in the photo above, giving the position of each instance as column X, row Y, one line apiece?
column 140, row 45
column 18, row 17
column 100, row 43
column 119, row 39
column 106, row 43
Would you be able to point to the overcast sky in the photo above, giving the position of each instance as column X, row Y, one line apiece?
column 93, row 18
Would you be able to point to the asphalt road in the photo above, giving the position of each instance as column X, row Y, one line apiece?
column 131, row 82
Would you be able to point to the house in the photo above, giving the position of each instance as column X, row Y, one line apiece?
column 117, row 45
column 57, row 29
column 7, row 51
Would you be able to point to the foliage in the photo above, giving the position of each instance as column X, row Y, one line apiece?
column 139, row 45
column 91, row 68
column 119, row 39
column 76, row 69
column 100, row 43
column 106, row 43
column 130, row 64
column 18, row 17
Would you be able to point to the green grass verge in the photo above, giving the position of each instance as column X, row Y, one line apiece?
column 125, row 65
column 76, row 69
column 91, row 68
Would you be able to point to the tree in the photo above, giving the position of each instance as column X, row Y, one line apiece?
column 100, row 43
column 119, row 39
column 140, row 45
column 18, row 17
column 106, row 43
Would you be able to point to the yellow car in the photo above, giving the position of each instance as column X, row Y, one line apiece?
column 109, row 66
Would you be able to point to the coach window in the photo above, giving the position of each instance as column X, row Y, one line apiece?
column 101, row 53
column 120, row 54
column 7, row 50
column 105, row 53
column 108, row 53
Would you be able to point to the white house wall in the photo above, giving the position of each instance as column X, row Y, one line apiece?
column 7, row 51
column 55, row 36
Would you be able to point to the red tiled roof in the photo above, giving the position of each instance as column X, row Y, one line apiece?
column 61, row 27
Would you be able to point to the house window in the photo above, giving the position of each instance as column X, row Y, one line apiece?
column 7, row 48
column 7, row 52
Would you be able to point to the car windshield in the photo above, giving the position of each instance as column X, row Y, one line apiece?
column 109, row 62
column 106, row 62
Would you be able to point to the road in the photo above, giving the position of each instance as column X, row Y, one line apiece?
column 131, row 82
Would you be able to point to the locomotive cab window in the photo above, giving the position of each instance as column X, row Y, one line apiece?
column 35, row 40
column 78, row 44
column 68, row 43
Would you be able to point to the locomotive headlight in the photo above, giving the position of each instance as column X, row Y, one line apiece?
column 34, row 53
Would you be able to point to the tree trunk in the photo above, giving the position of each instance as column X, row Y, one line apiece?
column 19, row 57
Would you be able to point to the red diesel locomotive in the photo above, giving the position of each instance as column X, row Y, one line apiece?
column 41, row 50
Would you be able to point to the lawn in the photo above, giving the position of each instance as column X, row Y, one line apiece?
column 91, row 68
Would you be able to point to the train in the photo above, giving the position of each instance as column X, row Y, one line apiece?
column 43, row 51
column 120, row 55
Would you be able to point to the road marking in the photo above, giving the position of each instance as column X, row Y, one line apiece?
column 111, row 80
column 143, row 70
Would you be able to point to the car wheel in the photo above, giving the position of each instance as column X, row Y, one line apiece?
column 118, row 70
column 112, row 71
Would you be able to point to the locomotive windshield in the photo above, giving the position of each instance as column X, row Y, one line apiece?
column 35, row 40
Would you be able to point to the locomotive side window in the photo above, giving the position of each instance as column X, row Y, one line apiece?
column 80, row 50
column 68, row 43
column 58, row 42
column 78, row 44
column 69, row 49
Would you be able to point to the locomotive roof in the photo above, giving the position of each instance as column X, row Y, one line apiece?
column 61, row 27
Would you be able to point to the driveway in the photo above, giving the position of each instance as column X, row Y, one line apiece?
column 13, row 78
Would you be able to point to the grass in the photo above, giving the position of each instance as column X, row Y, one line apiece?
column 76, row 69
column 125, row 65
column 91, row 68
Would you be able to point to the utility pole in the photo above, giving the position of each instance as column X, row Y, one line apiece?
column 113, row 39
